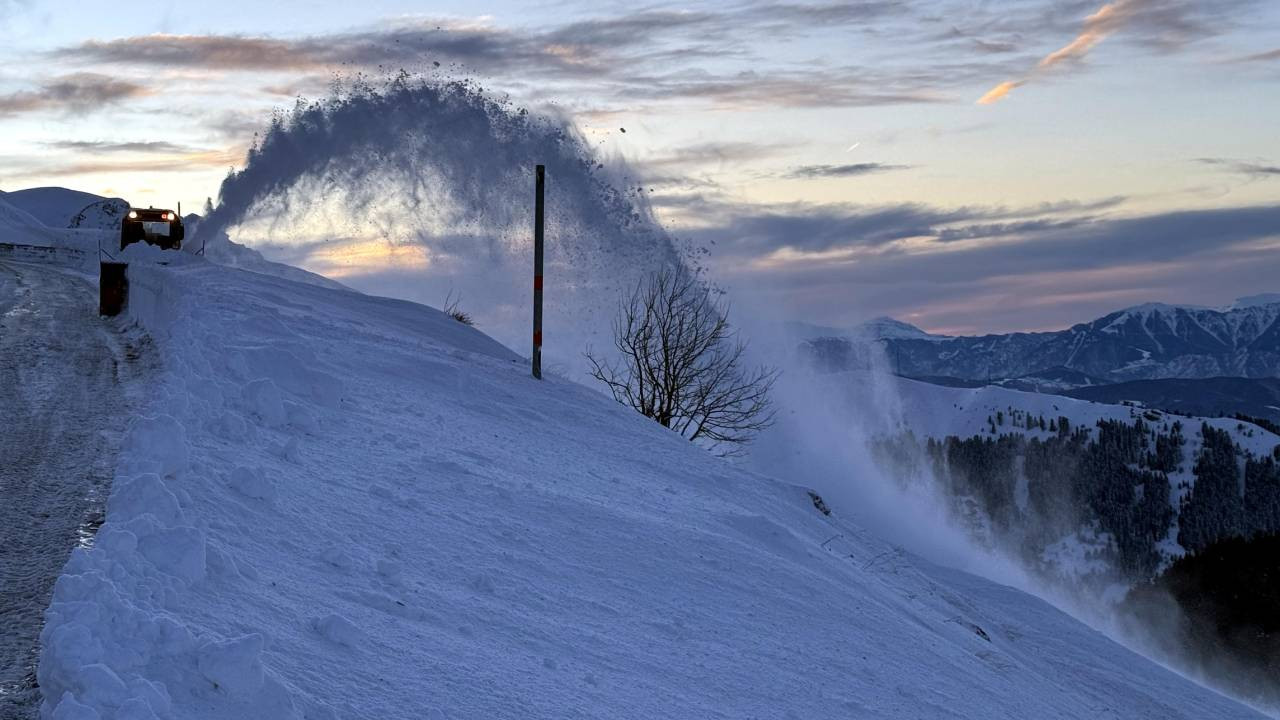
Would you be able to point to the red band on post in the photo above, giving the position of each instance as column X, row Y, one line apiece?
column 537, row 339
column 537, row 282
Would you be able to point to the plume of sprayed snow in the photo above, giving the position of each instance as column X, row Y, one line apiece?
column 825, row 435
column 823, row 439
column 424, row 189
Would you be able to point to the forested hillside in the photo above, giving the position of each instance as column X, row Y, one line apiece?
column 1226, row 597
column 1115, row 501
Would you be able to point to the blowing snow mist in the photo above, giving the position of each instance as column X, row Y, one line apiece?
column 424, row 190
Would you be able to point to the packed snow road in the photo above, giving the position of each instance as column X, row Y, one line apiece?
column 65, row 390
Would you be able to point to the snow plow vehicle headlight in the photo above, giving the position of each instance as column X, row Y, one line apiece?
column 133, row 215
column 167, row 216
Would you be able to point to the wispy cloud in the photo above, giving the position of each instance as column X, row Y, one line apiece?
column 635, row 57
column 1162, row 24
column 609, row 54
column 999, row 92
column 105, row 147
column 951, row 242
column 835, row 262
column 700, row 154
column 994, row 47
column 230, row 124
column 850, row 87
column 806, row 172
column 26, row 168
column 9, row 8
column 76, row 94
column 752, row 232
column 1108, row 19
column 577, row 49
column 218, row 52
column 1269, row 56
column 1253, row 169
column 1105, row 21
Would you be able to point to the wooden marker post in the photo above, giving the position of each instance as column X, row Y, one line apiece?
column 540, row 172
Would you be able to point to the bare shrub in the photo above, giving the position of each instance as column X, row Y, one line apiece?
column 451, row 309
column 680, row 364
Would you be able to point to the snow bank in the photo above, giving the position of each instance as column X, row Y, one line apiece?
column 345, row 506
column 21, row 228
column 156, row 300
column 55, row 207
column 24, row 237
column 113, row 645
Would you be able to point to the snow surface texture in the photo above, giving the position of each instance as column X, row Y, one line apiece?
column 66, row 384
column 340, row 506
column 58, row 207
column 55, row 207
column 21, row 227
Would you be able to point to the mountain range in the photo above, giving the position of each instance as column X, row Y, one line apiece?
column 1147, row 342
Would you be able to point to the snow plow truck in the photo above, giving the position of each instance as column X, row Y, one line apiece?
column 162, row 228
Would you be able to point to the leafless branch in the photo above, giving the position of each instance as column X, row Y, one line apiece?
column 679, row 363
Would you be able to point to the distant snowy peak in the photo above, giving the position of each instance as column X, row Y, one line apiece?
column 883, row 328
column 1159, row 307
column 1151, row 310
column 21, row 227
column 1232, row 328
column 1248, row 315
column 12, row 216
column 55, row 207
column 1255, row 301
column 1145, row 342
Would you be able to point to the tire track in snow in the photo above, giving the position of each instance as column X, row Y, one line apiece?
column 66, row 386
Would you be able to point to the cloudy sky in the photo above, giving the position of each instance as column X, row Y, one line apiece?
column 968, row 166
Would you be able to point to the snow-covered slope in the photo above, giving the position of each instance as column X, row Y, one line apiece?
column 59, row 207
column 221, row 249
column 105, row 214
column 24, row 236
column 931, row 411
column 341, row 506
column 936, row 411
column 1211, row 397
column 19, row 226
column 52, row 206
